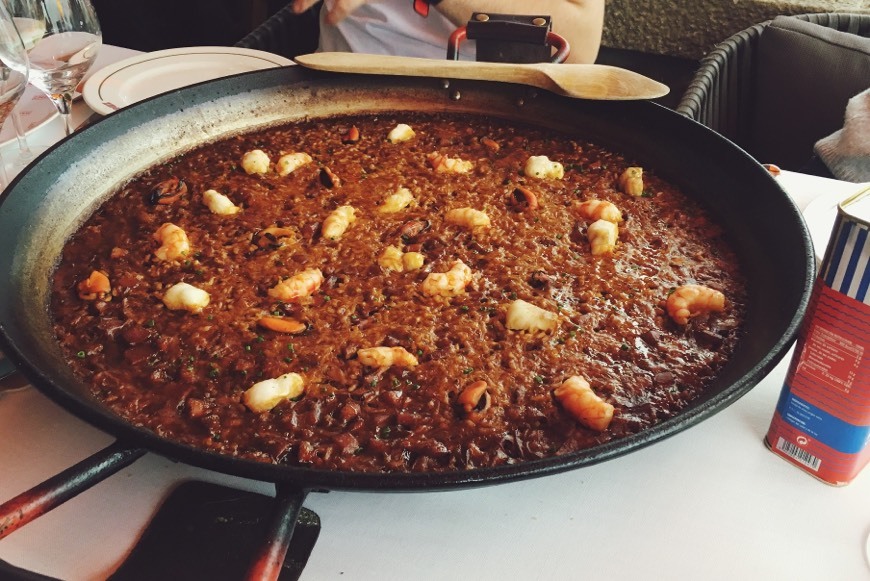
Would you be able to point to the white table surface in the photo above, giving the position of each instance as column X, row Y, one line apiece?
column 708, row 503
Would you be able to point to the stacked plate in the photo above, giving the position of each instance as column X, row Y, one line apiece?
column 130, row 80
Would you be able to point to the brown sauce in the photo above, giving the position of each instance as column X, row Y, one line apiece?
column 182, row 375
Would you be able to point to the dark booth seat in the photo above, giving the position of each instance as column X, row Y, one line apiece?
column 286, row 33
column 778, row 87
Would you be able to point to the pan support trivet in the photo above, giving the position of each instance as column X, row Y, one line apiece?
column 208, row 531
column 201, row 531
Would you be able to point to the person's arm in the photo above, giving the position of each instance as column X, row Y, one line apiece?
column 340, row 10
column 579, row 21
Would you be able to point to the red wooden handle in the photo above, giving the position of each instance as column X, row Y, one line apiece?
column 51, row 493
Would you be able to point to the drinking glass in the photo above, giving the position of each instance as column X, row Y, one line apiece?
column 30, row 31
column 13, row 71
column 25, row 154
column 63, row 37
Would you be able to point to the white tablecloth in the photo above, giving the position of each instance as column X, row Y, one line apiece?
column 709, row 503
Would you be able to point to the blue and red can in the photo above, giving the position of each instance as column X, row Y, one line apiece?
column 822, row 418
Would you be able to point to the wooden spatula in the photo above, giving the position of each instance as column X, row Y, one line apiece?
column 600, row 82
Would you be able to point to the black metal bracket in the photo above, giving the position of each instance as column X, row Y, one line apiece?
column 208, row 531
column 510, row 38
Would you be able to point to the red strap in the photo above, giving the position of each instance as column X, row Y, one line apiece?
column 421, row 7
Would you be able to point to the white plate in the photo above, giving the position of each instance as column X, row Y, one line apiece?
column 131, row 80
column 820, row 215
column 34, row 109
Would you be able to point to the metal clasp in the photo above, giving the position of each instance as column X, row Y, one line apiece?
column 510, row 38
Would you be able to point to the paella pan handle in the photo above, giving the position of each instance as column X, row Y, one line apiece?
column 271, row 552
column 270, row 557
column 53, row 492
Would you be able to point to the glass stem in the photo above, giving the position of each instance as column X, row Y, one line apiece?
column 4, row 176
column 23, row 146
column 63, row 102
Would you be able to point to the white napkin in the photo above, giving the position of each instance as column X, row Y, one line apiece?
column 846, row 152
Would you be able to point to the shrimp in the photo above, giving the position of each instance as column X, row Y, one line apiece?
column 335, row 225
column 289, row 163
column 540, row 166
column 298, row 287
column 599, row 210
column 265, row 395
column 691, row 300
column 255, row 161
column 96, row 286
column 383, row 357
column 450, row 283
column 397, row 201
column 576, row 396
column 185, row 297
column 468, row 218
column 391, row 259
column 219, row 204
column 443, row 164
column 631, row 181
column 602, row 237
column 401, row 132
column 173, row 242
column 523, row 316
column 413, row 260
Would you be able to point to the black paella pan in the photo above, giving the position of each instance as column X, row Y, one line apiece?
column 47, row 203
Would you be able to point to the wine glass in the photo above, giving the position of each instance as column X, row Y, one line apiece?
column 30, row 31
column 63, row 37
column 14, row 69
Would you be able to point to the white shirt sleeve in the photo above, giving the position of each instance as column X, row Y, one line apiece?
column 391, row 27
